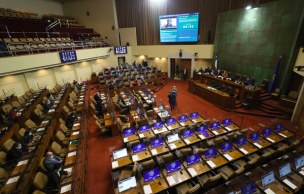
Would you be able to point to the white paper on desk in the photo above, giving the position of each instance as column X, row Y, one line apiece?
column 192, row 171
column 56, row 101
column 126, row 139
column 290, row 184
column 269, row 191
column 154, row 152
column 72, row 154
column 228, row 129
column 12, row 180
column 228, row 157
column 147, row 189
column 194, row 121
column 282, row 135
column 182, row 124
column 52, row 110
column 258, row 145
column 80, row 103
column 135, row 158
column 68, row 170
column 76, row 124
column 66, row 188
column 215, row 132
column 44, row 122
column 270, row 140
column 170, row 128
column 135, row 117
column 244, row 151
column 141, row 135
column 40, row 129
column 171, row 180
column 22, row 162
column 187, row 141
column 211, row 164
column 302, row 173
column 201, row 136
column 115, row 164
column 82, row 96
column 75, row 133
column 172, row 146
column 18, row 114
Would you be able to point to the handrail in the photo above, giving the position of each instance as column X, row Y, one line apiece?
column 7, row 31
column 52, row 25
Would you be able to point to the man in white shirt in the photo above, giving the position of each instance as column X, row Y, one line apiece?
column 185, row 74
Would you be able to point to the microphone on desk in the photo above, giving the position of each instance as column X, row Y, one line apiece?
column 181, row 171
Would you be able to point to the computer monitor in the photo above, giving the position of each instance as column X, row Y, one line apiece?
column 206, row 134
column 166, row 113
column 127, row 184
column 139, row 147
column 241, row 141
column 151, row 175
column 170, row 121
column 267, row 132
column 226, row 147
column 144, row 128
column 132, row 101
column 173, row 166
column 153, row 100
column 182, row 118
column 284, row 170
column 299, row 162
column 249, row 188
column 255, row 136
column 173, row 138
column 202, row 129
column 141, row 115
column 267, row 179
column 120, row 153
column 210, row 153
column 157, row 142
column 138, row 110
column 194, row 115
column 158, row 125
column 129, row 132
column 193, row 159
column 278, row 127
column 161, row 107
column 227, row 122
column 215, row 125
column 188, row 133
column 149, row 96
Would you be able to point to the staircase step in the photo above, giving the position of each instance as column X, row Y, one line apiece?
column 269, row 111
column 267, row 107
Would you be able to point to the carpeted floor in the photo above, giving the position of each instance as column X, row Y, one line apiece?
column 99, row 149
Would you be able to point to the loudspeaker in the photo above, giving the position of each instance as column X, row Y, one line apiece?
column 180, row 54
column 113, row 28
column 88, row 13
column 127, row 44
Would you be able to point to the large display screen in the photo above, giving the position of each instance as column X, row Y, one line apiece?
column 179, row 27
column 120, row 50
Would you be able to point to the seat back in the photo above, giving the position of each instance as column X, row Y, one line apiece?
column 28, row 93
column 40, row 181
column 38, row 192
column 123, row 118
column 71, row 104
column 16, row 104
column 63, row 127
column 119, row 121
column 186, row 152
column 293, row 94
column 56, row 148
column 21, row 100
column 7, row 108
column 194, row 190
column 167, row 158
column 130, row 144
column 150, row 113
column 41, row 165
column 21, row 132
column 3, row 173
column 8, row 144
column 134, row 170
column 39, row 107
column 61, row 121
column 148, row 165
column 98, row 124
column 2, row 158
column 277, row 90
column 30, row 124
column 38, row 113
column 60, row 136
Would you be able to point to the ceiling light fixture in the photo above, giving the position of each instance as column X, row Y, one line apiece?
column 248, row 7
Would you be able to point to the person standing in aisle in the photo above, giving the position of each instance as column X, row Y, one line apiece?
column 174, row 90
column 172, row 100
column 185, row 74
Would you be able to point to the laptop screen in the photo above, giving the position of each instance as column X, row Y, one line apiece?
column 158, row 125
column 144, row 128
column 299, row 162
column 174, row 166
column 152, row 99
column 194, row 115
column 129, row 132
column 126, row 184
column 188, row 133
column 193, row 159
column 210, row 153
column 202, row 129
column 166, row 113
column 215, row 125
column 285, row 170
column 206, row 134
column 161, row 107
column 138, row 110
column 241, row 141
column 267, row 131
column 227, row 122
column 139, row 147
column 279, row 127
column 183, row 118
column 173, row 138
column 120, row 153
column 171, row 121
column 267, row 179
column 255, row 136
column 152, row 174
column 149, row 96
column 156, row 143
column 249, row 188
column 226, row 147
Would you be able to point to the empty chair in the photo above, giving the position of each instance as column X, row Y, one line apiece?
column 41, row 165
column 102, row 129
column 29, row 94
column 188, row 188
column 40, row 181
column 167, row 158
column 128, row 173
column 276, row 93
column 209, row 180
column 7, row 145
column 62, row 138
column 2, row 158
column 264, row 84
column 247, row 104
column 38, row 192
column 31, row 125
column 150, row 113
column 293, row 94
column 26, row 98
column 147, row 165
column 7, row 108
column 21, row 133
column 124, row 118
column 123, row 125
column 57, row 150
column 101, row 121
column 21, row 100
column 65, row 130
column 16, row 104
column 61, row 121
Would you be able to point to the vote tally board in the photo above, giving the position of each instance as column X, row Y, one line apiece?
column 68, row 56
column 120, row 50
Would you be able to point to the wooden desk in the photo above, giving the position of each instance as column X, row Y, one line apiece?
column 122, row 161
column 111, row 92
column 67, row 187
column 145, row 134
column 247, row 148
column 23, row 164
column 106, row 116
column 9, row 187
column 155, row 186
column 260, row 143
column 67, row 179
column 173, row 126
column 199, row 168
column 70, row 158
column 202, row 136
column 159, row 130
column 234, row 154
column 286, row 133
column 159, row 149
column 176, row 145
column 218, row 160
column 186, row 123
column 177, row 176
column 219, row 131
column 191, row 140
column 274, row 138
column 76, row 127
column 136, row 190
column 75, row 135
column 276, row 187
column 73, row 145
column 141, row 155
column 231, row 127
column 108, row 122
column 286, row 102
column 130, row 138
column 197, row 120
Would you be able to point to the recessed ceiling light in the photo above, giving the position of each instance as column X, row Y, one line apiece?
column 248, row 7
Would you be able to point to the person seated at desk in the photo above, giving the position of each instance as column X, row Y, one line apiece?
column 77, row 85
column 50, row 160
column 119, row 97
column 70, row 120
column 51, row 97
column 122, row 104
column 54, row 177
column 13, row 113
column 208, row 70
column 138, row 64
column 14, row 154
column 96, row 97
column 213, row 72
column 225, row 74
column 200, row 70
column 248, row 81
column 99, row 107
column 111, row 86
column 118, row 85
column 135, row 82
column 108, row 75
column 27, row 140
column 219, row 73
column 115, row 74
column 48, row 104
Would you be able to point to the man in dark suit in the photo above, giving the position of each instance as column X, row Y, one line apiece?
column 26, row 140
column 208, row 70
column 50, row 160
column 98, row 107
column 185, row 72
column 96, row 97
column 14, row 153
column 54, row 177
column 111, row 86
column 172, row 100
column 248, row 81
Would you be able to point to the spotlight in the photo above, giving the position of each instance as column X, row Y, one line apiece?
column 248, row 7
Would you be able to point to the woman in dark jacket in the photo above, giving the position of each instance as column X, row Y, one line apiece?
column 70, row 120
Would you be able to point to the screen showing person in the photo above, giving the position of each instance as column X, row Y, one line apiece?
column 129, row 132
column 299, row 162
column 215, row 125
column 157, row 142
column 227, row 122
column 173, row 138
column 120, row 153
column 241, row 141
column 267, row 131
column 173, row 166
column 144, row 128
column 210, row 153
column 168, row 23
column 193, row 159
column 278, row 127
column 255, row 136
column 194, row 115
column 226, row 147
column 158, row 125
column 127, row 184
column 171, row 121
column 202, row 129
column 249, row 188
column 161, row 107
column 267, row 179
column 188, row 133
column 183, row 118
column 284, row 170
column 151, row 175
column 139, row 147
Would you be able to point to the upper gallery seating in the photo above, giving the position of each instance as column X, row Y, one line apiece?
column 65, row 20
column 18, row 14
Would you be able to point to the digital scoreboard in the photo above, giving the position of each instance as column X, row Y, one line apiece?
column 120, row 50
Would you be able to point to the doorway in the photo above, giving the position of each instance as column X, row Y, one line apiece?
column 121, row 60
column 185, row 64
